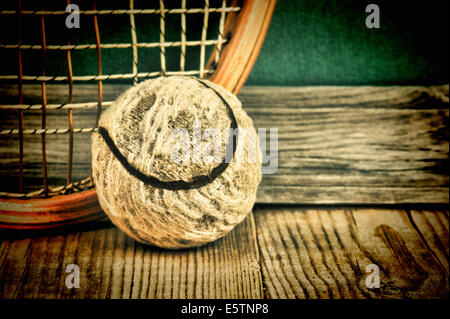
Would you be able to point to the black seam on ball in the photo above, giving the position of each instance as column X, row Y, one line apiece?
column 198, row 181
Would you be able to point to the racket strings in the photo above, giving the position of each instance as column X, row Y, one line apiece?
column 162, row 44
column 100, row 77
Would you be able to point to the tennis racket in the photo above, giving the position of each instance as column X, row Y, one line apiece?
column 46, row 181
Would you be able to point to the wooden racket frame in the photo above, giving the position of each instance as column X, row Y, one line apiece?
column 247, row 30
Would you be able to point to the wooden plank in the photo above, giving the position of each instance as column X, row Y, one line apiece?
column 385, row 97
column 433, row 228
column 355, row 144
column 400, row 97
column 336, row 145
column 303, row 253
column 350, row 194
column 323, row 253
column 114, row 266
column 14, row 257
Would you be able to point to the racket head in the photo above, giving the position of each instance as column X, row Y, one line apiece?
column 241, row 34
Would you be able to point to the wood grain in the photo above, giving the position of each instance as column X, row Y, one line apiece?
column 113, row 265
column 323, row 253
column 355, row 144
column 433, row 229
column 335, row 144
column 290, row 252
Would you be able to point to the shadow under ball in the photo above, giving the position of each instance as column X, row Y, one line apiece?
column 168, row 201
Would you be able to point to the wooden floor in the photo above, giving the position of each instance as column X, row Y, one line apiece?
column 277, row 252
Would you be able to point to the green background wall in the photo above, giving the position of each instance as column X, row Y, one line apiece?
column 313, row 42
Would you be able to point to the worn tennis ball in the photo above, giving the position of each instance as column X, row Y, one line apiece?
column 163, row 173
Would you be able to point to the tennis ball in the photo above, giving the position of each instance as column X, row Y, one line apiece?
column 176, row 162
